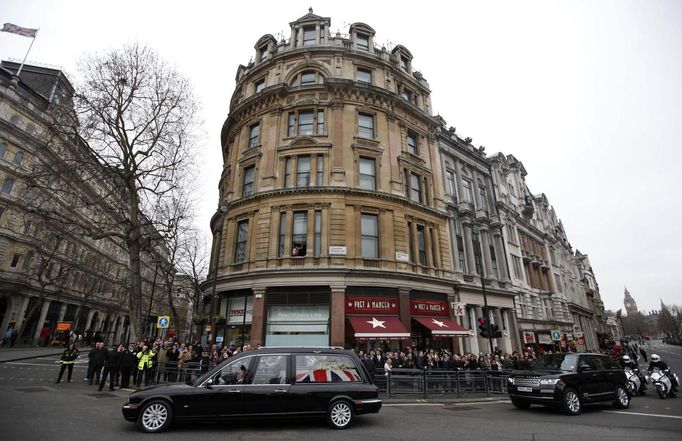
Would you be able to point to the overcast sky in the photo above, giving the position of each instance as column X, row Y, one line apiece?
column 587, row 94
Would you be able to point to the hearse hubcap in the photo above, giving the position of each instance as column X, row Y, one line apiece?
column 154, row 416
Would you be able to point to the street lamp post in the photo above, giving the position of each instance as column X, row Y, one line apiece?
column 220, row 218
column 479, row 263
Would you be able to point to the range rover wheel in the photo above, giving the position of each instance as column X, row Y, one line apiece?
column 520, row 404
column 571, row 402
column 155, row 416
column 622, row 398
column 340, row 414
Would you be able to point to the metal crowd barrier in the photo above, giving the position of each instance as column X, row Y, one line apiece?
column 439, row 382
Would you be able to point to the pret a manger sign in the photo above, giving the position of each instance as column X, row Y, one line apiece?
column 372, row 305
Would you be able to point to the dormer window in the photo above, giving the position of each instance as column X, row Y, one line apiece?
column 263, row 53
column 309, row 36
column 362, row 41
column 307, row 78
column 404, row 63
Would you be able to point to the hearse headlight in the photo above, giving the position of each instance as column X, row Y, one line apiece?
column 510, row 380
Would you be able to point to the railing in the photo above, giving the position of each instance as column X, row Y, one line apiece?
column 396, row 382
column 440, row 382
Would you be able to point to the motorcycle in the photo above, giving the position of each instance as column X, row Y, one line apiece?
column 663, row 382
column 636, row 383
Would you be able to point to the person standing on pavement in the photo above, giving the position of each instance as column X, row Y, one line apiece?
column 112, row 363
column 95, row 362
column 144, row 364
column 128, row 362
column 68, row 359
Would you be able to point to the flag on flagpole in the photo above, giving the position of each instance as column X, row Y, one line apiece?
column 24, row 32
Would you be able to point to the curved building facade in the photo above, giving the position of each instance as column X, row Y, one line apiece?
column 332, row 227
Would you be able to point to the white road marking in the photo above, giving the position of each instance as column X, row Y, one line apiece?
column 644, row 414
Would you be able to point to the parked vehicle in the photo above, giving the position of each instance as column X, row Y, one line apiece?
column 662, row 381
column 569, row 380
column 268, row 382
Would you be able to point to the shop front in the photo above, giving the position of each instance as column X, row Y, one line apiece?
column 431, row 324
column 297, row 316
column 233, row 326
column 374, row 323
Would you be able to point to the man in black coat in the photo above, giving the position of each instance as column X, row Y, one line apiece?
column 369, row 364
column 128, row 362
column 112, row 363
column 96, row 359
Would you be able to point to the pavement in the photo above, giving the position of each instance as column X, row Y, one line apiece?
column 16, row 354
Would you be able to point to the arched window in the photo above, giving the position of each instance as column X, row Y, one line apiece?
column 307, row 78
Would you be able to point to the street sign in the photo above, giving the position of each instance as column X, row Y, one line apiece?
column 219, row 339
column 556, row 335
column 163, row 321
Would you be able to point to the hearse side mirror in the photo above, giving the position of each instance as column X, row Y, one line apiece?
column 209, row 383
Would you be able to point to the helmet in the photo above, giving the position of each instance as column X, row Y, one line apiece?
column 626, row 358
column 655, row 358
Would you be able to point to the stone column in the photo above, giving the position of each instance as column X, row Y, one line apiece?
column 338, row 316
column 62, row 312
column 41, row 319
column 473, row 315
column 258, row 317
column 88, row 321
column 9, row 313
column 469, row 249
column 502, row 268
column 20, row 314
column 458, row 183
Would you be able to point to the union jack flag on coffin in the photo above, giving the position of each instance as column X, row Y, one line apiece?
column 326, row 376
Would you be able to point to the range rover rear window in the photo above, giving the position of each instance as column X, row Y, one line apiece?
column 321, row 368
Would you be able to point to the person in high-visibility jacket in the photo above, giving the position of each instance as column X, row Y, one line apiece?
column 67, row 361
column 144, row 365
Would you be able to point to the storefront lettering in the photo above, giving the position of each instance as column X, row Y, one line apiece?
column 368, row 305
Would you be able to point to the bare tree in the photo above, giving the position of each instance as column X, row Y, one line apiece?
column 194, row 264
column 122, row 153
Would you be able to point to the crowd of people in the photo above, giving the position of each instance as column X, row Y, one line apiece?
column 146, row 362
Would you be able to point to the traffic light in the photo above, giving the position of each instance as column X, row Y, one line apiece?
column 483, row 328
column 496, row 332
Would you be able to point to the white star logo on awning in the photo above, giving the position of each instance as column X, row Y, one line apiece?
column 439, row 323
column 376, row 323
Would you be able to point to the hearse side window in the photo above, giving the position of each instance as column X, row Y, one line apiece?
column 326, row 368
column 237, row 372
column 272, row 369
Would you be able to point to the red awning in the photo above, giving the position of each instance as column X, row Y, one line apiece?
column 441, row 326
column 379, row 327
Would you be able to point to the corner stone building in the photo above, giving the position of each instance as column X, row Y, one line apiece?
column 334, row 220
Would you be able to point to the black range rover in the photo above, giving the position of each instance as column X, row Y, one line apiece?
column 568, row 381
column 268, row 382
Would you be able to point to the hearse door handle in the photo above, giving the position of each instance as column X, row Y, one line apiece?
column 233, row 391
column 280, row 391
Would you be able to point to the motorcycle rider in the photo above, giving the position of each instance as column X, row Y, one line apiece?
column 657, row 363
column 627, row 362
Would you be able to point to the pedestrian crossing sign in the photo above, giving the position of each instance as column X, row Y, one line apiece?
column 163, row 321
